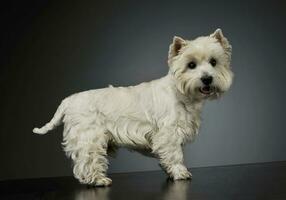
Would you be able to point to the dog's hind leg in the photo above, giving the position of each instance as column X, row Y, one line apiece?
column 90, row 162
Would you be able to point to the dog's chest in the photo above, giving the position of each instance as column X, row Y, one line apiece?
column 187, row 120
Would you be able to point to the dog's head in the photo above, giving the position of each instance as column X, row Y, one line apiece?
column 201, row 67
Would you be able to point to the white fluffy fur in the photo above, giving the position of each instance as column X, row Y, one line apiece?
column 156, row 118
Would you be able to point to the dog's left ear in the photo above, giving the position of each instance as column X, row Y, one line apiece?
column 222, row 40
column 176, row 46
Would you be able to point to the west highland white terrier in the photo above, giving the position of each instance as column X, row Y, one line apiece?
column 155, row 118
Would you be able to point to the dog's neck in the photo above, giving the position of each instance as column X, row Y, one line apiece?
column 179, row 102
column 190, row 103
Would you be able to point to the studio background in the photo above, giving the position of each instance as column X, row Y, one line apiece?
column 51, row 49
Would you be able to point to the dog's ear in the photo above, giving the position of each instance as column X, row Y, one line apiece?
column 222, row 40
column 176, row 46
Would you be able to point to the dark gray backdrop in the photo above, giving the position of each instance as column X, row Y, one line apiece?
column 51, row 49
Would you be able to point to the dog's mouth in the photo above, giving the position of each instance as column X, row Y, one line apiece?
column 206, row 90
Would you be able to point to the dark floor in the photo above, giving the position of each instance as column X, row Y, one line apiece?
column 256, row 181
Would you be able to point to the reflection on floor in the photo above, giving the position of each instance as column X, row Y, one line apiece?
column 171, row 191
column 255, row 181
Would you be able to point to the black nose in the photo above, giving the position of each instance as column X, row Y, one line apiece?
column 207, row 80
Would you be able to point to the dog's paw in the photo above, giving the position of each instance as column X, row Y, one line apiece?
column 183, row 175
column 103, row 182
column 180, row 172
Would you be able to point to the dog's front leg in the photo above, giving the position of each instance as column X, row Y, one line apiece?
column 170, row 153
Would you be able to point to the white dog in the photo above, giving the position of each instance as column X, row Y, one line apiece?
column 156, row 117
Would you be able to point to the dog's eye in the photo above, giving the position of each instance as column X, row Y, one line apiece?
column 213, row 62
column 192, row 65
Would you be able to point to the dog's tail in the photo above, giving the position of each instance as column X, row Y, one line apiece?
column 55, row 121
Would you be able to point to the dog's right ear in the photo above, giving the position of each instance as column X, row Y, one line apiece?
column 176, row 46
